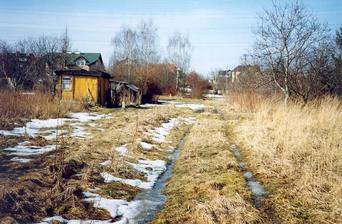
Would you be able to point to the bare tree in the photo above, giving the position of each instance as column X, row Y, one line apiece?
column 31, row 61
column 7, row 68
column 287, row 37
column 148, row 43
column 179, row 52
column 125, row 45
column 65, row 41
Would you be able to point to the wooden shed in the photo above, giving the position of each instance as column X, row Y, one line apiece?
column 124, row 94
column 92, row 86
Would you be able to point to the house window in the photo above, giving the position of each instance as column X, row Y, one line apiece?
column 80, row 62
column 66, row 83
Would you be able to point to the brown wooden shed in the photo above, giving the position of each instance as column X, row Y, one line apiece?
column 124, row 94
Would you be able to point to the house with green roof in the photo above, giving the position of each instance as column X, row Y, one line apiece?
column 86, row 61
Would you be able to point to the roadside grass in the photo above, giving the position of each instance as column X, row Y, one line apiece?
column 18, row 107
column 296, row 152
column 206, row 185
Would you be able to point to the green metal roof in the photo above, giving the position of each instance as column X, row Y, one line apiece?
column 89, row 57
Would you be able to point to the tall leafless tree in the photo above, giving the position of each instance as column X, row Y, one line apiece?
column 179, row 52
column 287, row 37
column 148, row 46
column 125, row 45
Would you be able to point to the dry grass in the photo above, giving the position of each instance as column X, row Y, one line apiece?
column 207, row 186
column 60, row 191
column 16, row 107
column 296, row 152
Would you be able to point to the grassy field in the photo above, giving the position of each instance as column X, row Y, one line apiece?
column 296, row 152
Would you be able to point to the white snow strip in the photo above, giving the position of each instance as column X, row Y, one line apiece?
column 106, row 163
column 22, row 160
column 194, row 107
column 60, row 219
column 23, row 149
column 146, row 146
column 150, row 105
column 108, row 178
column 213, row 96
column 87, row 117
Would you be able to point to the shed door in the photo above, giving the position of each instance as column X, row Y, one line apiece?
column 86, row 88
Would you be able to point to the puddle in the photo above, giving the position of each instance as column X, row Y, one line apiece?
column 258, row 191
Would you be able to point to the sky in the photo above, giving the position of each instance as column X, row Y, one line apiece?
column 220, row 31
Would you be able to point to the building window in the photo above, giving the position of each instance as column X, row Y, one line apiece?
column 80, row 62
column 66, row 83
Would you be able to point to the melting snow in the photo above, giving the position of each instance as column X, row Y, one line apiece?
column 116, row 207
column 122, row 150
column 22, row 160
column 23, row 149
column 146, row 146
column 108, row 178
column 151, row 168
column 106, row 163
column 193, row 107
column 48, row 129
column 214, row 96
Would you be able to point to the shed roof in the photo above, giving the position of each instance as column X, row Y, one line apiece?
column 129, row 85
column 83, row 72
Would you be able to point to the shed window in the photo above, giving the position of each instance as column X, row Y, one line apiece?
column 67, row 83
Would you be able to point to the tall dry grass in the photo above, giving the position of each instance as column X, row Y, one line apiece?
column 18, row 106
column 296, row 150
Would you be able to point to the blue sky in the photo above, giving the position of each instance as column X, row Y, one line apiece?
column 220, row 30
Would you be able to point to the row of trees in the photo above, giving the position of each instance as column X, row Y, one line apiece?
column 297, row 53
column 138, row 58
column 32, row 61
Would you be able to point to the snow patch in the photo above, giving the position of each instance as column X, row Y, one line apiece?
column 214, row 96
column 106, row 163
column 23, row 149
column 108, row 178
column 122, row 150
column 146, row 146
column 193, row 107
column 22, row 160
